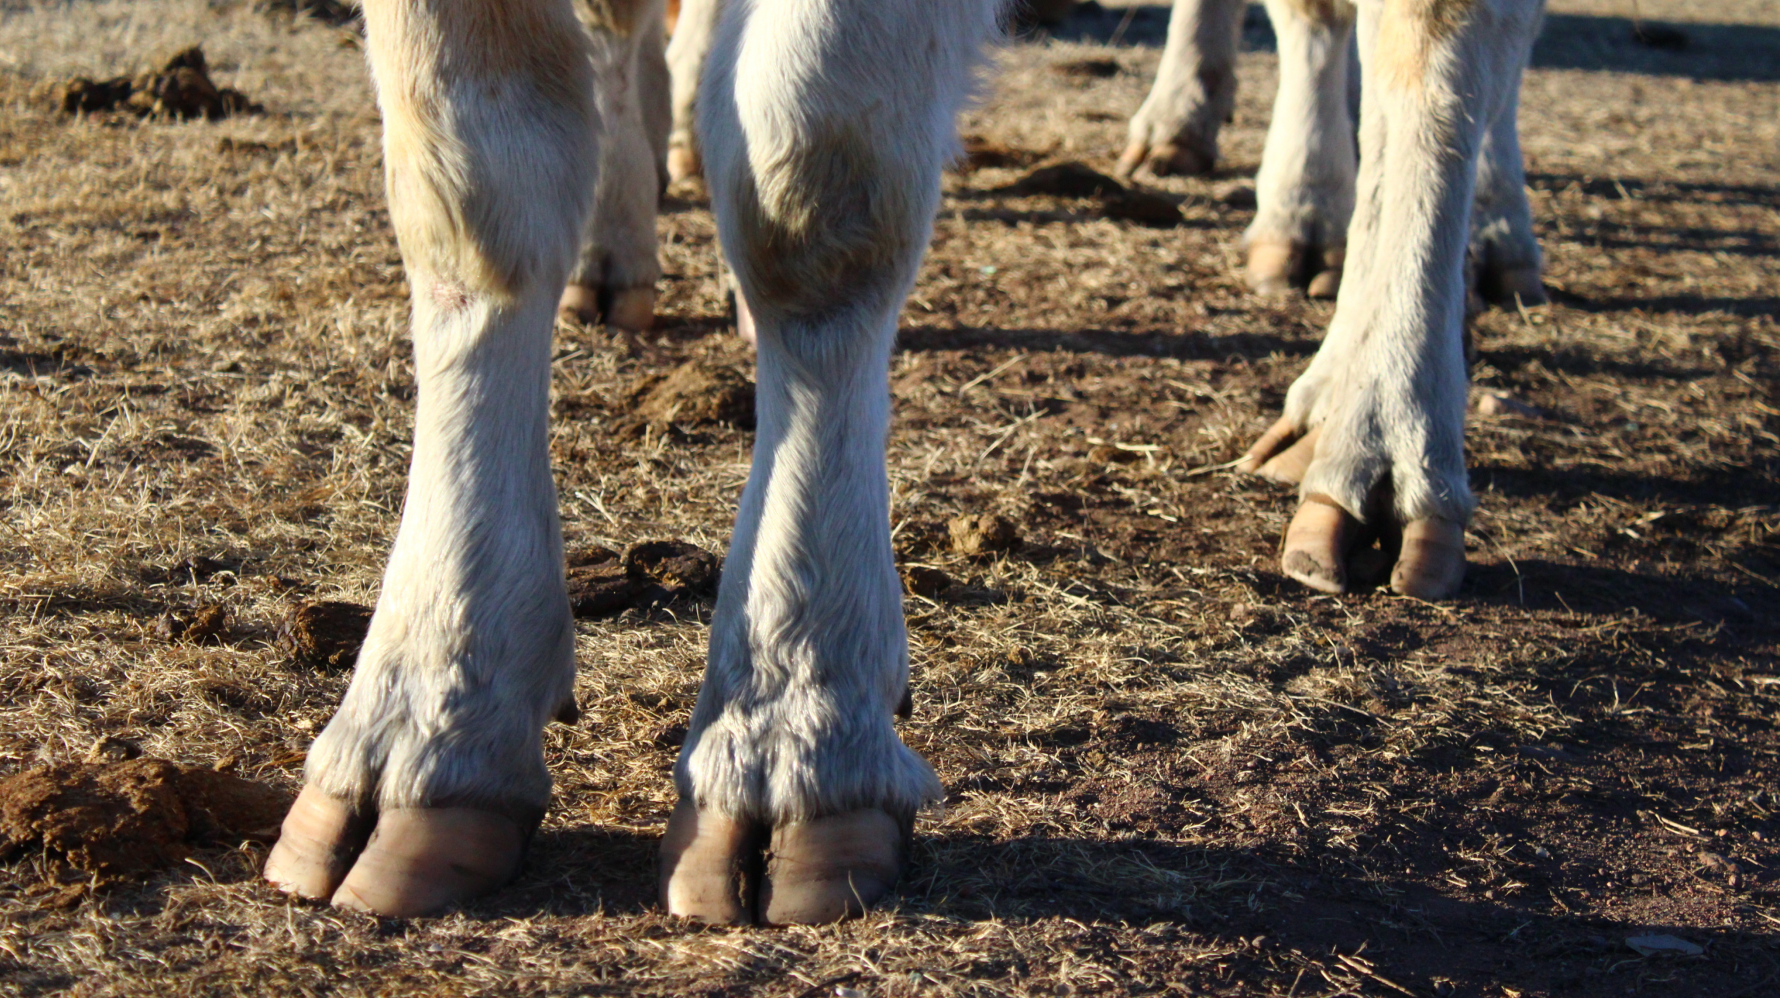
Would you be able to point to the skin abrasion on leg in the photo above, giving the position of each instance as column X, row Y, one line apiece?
column 1304, row 193
column 826, row 124
column 1176, row 129
column 1373, row 431
column 425, row 786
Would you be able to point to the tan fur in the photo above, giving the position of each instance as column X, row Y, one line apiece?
column 1325, row 11
column 450, row 234
column 1409, row 31
column 816, row 228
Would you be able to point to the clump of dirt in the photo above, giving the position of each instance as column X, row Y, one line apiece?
column 648, row 574
column 1078, row 180
column 180, row 89
column 1087, row 69
column 925, row 580
column 114, row 819
column 206, row 623
column 324, row 634
column 694, row 394
column 989, row 533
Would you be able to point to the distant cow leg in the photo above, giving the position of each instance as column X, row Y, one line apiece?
column 614, row 278
column 1304, row 194
column 826, row 124
column 1373, row 431
column 686, row 54
column 1505, row 260
column 427, row 783
column 1176, row 129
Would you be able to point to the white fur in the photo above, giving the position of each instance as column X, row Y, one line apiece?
column 694, row 32
column 1195, row 88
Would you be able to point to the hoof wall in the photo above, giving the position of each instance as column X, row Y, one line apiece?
column 320, row 838
column 421, row 860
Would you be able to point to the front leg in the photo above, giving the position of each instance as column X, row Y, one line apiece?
column 826, row 123
column 424, row 788
column 1373, row 432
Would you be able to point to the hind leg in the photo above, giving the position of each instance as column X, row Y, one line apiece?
column 1176, row 129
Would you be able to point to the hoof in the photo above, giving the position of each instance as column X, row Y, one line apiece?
column 744, row 320
column 1164, row 160
column 831, row 868
column 1282, row 454
column 320, row 838
column 631, row 309
column 1316, row 545
column 1276, row 266
column 683, row 163
column 1431, row 564
column 421, row 860
column 1504, row 286
column 709, row 867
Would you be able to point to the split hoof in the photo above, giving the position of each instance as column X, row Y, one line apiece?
column 1316, row 545
column 320, row 838
column 1277, row 266
column 1431, row 563
column 713, row 868
column 709, row 867
column 831, row 868
column 1164, row 160
column 630, row 309
column 423, row 859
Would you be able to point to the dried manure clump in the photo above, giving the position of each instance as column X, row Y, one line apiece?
column 115, row 819
column 694, row 394
column 324, row 634
column 649, row 574
column 974, row 536
column 181, row 89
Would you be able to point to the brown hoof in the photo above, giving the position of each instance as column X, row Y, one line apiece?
column 631, row 309
column 1282, row 454
column 709, row 866
column 1276, row 266
column 831, row 868
column 316, row 846
column 1164, row 160
column 683, row 163
column 423, row 859
column 1431, row 564
column 1316, row 545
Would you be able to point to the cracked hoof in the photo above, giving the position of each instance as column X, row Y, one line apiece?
column 631, row 309
column 1164, row 159
column 415, row 861
column 716, row 869
column 1277, row 266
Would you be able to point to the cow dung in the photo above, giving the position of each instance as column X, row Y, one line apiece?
column 324, row 634
column 981, row 535
column 119, row 818
column 181, row 89
column 694, row 394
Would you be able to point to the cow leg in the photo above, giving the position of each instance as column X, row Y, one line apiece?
column 1176, row 129
column 1304, row 195
column 1505, row 260
column 686, row 54
column 425, row 786
column 826, row 123
column 1373, row 431
column 614, row 279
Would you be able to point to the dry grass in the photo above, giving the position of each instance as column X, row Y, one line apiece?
column 1169, row 770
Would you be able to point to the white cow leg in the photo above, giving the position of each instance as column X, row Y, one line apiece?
column 686, row 54
column 425, row 786
column 1304, row 194
column 1176, row 129
column 1505, row 260
column 1373, row 431
column 796, row 794
column 614, row 278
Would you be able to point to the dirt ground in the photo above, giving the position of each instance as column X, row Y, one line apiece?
column 1169, row 770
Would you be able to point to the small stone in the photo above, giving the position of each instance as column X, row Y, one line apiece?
column 982, row 535
column 325, row 634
